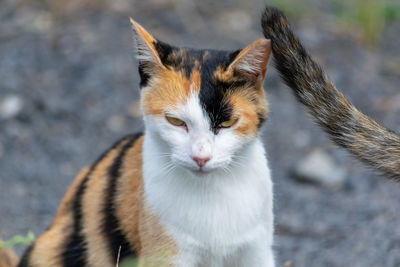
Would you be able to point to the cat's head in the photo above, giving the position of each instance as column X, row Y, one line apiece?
column 204, row 105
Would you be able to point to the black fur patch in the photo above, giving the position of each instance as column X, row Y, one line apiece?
column 75, row 249
column 212, row 91
column 144, row 76
column 75, row 252
column 111, row 227
column 24, row 262
column 163, row 50
column 180, row 59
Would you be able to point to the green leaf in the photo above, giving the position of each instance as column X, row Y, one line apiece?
column 18, row 240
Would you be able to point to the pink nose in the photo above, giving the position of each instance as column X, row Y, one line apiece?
column 201, row 161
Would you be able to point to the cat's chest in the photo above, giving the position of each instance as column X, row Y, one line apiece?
column 212, row 213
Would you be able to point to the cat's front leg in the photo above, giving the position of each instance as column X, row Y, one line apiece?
column 263, row 257
column 187, row 257
column 257, row 253
column 253, row 257
column 184, row 258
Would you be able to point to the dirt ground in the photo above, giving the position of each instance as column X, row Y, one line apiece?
column 69, row 77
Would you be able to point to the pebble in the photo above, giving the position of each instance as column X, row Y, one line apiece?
column 319, row 167
column 237, row 21
column 10, row 106
column 120, row 5
column 116, row 123
column 288, row 263
column 134, row 109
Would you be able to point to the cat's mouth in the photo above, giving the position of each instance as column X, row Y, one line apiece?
column 197, row 170
column 201, row 170
column 204, row 170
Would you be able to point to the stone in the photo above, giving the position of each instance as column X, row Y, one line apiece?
column 116, row 123
column 10, row 106
column 288, row 263
column 319, row 167
column 134, row 109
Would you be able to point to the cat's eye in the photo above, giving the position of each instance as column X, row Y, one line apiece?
column 228, row 123
column 175, row 121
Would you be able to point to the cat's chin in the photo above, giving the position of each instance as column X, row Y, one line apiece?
column 202, row 171
column 196, row 171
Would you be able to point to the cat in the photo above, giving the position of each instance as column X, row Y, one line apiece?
column 7, row 258
column 194, row 189
column 348, row 127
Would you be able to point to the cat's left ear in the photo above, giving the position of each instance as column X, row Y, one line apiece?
column 251, row 62
column 148, row 51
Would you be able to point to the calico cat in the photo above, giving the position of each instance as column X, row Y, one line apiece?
column 346, row 126
column 194, row 189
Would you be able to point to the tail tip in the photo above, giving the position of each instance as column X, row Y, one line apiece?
column 273, row 17
column 271, row 13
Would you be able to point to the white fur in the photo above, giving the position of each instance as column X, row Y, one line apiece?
column 222, row 215
column 251, row 64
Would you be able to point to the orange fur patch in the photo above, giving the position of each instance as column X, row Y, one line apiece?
column 168, row 90
column 7, row 258
column 248, row 104
column 48, row 246
column 222, row 74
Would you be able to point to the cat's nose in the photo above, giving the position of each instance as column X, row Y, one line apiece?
column 201, row 161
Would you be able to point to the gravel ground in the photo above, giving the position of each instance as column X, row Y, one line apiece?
column 69, row 88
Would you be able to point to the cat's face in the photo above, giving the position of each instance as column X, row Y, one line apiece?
column 205, row 105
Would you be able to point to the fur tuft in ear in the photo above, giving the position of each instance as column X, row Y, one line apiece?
column 145, row 44
column 251, row 62
column 146, row 52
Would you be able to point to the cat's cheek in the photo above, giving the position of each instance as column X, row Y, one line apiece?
column 175, row 137
column 247, row 129
column 157, row 126
column 225, row 146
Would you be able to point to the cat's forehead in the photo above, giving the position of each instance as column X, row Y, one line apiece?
column 188, row 60
column 205, row 71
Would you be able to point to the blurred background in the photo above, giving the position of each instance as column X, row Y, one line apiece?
column 69, row 88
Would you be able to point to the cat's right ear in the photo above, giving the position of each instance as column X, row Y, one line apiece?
column 146, row 53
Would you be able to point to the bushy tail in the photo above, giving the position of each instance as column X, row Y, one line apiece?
column 347, row 127
column 8, row 258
